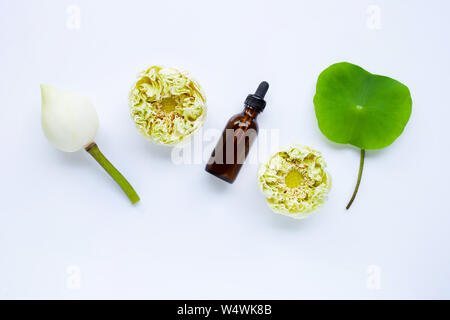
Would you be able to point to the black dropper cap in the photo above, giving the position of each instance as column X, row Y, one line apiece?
column 256, row 100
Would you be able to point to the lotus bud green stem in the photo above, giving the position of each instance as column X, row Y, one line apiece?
column 70, row 123
column 95, row 152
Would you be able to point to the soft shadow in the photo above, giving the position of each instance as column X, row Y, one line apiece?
column 69, row 159
column 281, row 222
column 216, row 184
column 334, row 145
column 373, row 154
column 161, row 151
column 339, row 146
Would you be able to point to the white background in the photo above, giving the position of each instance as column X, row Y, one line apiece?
column 62, row 219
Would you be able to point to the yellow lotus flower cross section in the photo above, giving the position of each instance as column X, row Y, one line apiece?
column 294, row 181
column 167, row 105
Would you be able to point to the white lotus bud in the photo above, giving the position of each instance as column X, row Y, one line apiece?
column 69, row 119
column 70, row 122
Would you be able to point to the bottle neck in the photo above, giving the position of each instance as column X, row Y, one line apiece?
column 250, row 111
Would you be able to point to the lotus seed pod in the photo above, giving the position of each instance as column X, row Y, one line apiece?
column 294, row 181
column 167, row 105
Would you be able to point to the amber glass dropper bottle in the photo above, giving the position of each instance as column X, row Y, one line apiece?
column 237, row 137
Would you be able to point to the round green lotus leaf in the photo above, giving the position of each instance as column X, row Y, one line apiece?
column 354, row 106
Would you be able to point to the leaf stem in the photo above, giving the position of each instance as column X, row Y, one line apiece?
column 361, row 165
column 95, row 152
